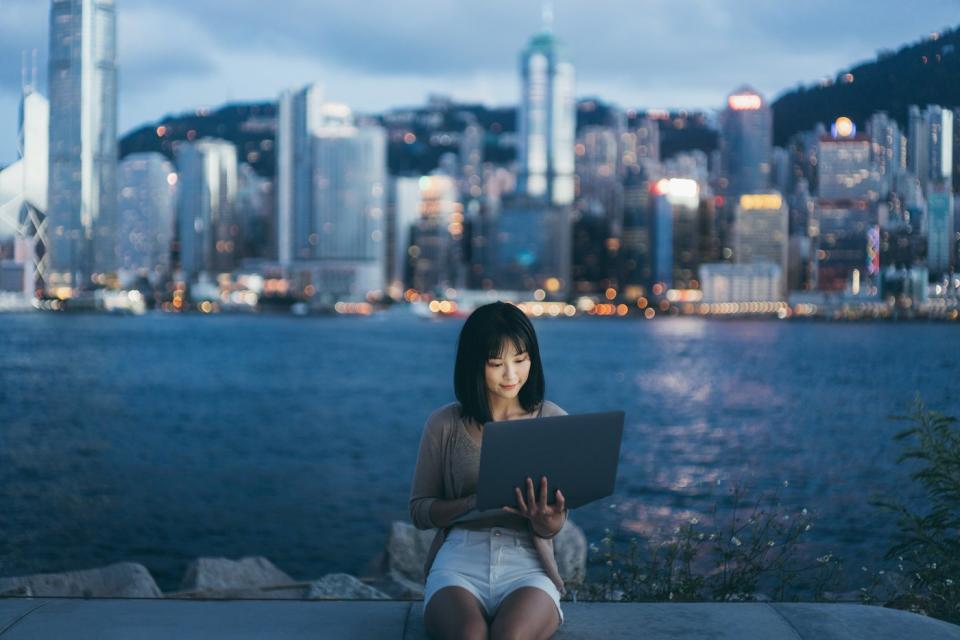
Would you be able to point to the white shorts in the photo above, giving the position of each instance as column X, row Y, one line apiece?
column 490, row 564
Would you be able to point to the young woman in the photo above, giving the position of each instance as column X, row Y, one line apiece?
column 495, row 572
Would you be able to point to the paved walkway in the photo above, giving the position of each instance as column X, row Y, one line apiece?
column 146, row 619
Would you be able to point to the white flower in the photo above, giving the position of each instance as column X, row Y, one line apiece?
column 882, row 572
column 786, row 516
column 735, row 541
column 804, row 511
column 770, row 543
column 694, row 520
column 700, row 536
column 948, row 582
column 671, row 595
column 864, row 568
column 807, row 528
column 712, row 536
column 786, row 483
column 676, row 530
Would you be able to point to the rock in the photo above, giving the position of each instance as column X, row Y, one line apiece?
column 342, row 586
column 21, row 591
column 223, row 574
column 843, row 596
column 407, row 549
column 570, row 549
column 121, row 580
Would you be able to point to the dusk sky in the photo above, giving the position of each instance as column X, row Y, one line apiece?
column 178, row 55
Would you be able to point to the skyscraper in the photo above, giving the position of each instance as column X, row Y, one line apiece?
column 146, row 210
column 299, row 114
column 546, row 120
column 347, row 247
column 760, row 232
column 930, row 144
column 207, row 192
column 83, row 142
column 746, row 130
column 940, row 231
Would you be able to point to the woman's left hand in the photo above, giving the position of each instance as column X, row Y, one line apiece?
column 547, row 519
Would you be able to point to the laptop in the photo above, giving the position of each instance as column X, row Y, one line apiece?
column 577, row 453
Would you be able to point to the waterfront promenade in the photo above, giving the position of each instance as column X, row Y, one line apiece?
column 155, row 619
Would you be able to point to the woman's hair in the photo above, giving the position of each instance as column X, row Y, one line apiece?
column 481, row 339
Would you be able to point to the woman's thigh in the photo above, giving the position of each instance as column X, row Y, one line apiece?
column 454, row 612
column 528, row 612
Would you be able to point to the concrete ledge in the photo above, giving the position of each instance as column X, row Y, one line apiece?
column 150, row 619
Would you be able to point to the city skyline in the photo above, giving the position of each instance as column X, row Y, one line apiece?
column 198, row 64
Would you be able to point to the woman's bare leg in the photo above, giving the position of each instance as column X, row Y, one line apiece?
column 527, row 613
column 454, row 612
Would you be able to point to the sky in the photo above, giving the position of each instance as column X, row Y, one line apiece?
column 179, row 55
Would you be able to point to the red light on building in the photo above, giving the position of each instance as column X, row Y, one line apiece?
column 745, row 102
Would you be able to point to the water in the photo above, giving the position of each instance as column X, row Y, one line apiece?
column 162, row 438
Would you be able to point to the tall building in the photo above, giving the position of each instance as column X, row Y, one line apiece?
column 761, row 227
column 940, row 231
column 433, row 217
column 636, row 250
column 83, row 142
column 299, row 115
column 930, row 144
column 746, row 139
column 886, row 148
column 205, row 207
column 345, row 256
column 533, row 247
column 23, row 192
column 844, row 167
column 546, row 121
column 146, row 213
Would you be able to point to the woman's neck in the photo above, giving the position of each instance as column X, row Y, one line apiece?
column 504, row 409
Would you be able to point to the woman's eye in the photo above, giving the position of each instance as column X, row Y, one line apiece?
column 494, row 364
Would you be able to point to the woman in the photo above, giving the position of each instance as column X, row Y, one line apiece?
column 493, row 572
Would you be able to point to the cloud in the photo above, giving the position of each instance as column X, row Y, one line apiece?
column 176, row 55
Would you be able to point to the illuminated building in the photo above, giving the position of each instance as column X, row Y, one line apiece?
column 349, row 199
column 930, row 144
column 738, row 283
column 83, row 142
column 146, row 211
column 761, row 231
column 841, row 244
column 299, row 114
column 844, row 166
column 533, row 247
column 207, row 193
column 636, row 249
column 887, row 148
column 429, row 231
column 940, row 231
column 546, row 121
column 746, row 139
column 23, row 196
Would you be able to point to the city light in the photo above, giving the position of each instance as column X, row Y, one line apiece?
column 761, row 201
column 744, row 102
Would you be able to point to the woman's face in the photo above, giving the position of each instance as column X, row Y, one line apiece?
column 507, row 374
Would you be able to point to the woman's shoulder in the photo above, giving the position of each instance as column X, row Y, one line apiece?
column 443, row 417
column 551, row 409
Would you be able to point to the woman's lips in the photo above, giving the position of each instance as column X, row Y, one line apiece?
column 508, row 386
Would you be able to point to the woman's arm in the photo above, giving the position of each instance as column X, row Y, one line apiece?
column 427, row 509
column 444, row 512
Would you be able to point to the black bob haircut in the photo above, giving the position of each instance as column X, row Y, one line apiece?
column 482, row 338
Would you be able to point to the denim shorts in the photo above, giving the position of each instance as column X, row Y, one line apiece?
column 490, row 564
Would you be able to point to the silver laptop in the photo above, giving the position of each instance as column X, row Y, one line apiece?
column 578, row 454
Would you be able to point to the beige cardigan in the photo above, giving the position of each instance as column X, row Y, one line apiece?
column 435, row 477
